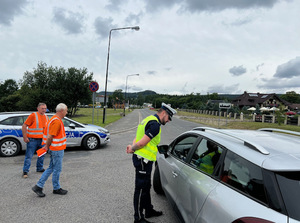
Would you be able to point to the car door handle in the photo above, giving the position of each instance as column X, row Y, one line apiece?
column 174, row 174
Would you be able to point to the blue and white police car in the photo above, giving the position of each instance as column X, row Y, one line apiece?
column 78, row 134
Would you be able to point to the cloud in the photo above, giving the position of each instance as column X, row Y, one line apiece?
column 259, row 66
column 103, row 26
column 156, row 5
column 71, row 22
column 217, row 5
column 151, row 72
column 221, row 89
column 275, row 83
column 208, row 5
column 289, row 69
column 114, row 5
column 9, row 9
column 132, row 19
column 237, row 71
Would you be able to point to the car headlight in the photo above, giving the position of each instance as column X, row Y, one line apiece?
column 105, row 131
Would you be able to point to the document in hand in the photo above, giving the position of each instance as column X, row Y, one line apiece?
column 41, row 152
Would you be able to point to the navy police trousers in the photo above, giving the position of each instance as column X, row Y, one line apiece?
column 142, row 199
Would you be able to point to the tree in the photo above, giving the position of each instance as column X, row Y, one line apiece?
column 54, row 85
column 291, row 96
column 8, row 99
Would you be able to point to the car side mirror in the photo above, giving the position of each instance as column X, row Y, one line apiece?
column 163, row 149
column 72, row 126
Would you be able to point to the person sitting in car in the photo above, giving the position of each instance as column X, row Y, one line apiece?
column 208, row 159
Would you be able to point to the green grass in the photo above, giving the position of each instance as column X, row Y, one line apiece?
column 85, row 115
column 194, row 117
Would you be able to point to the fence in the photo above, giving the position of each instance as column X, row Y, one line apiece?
column 288, row 119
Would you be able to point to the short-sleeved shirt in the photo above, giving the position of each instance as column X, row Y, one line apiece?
column 54, row 128
column 31, row 119
column 152, row 128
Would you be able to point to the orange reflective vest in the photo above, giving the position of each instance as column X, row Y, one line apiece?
column 59, row 141
column 36, row 129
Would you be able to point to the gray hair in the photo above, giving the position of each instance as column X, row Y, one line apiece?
column 61, row 107
column 41, row 103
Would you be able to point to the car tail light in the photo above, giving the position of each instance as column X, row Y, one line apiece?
column 251, row 220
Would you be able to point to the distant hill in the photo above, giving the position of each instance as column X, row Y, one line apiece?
column 131, row 94
column 149, row 92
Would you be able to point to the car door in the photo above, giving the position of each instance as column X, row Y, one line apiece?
column 194, row 182
column 239, row 195
column 171, row 166
column 73, row 132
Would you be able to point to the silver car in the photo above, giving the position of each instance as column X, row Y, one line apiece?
column 11, row 137
column 223, row 176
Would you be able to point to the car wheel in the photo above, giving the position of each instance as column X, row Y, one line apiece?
column 156, row 182
column 91, row 142
column 9, row 147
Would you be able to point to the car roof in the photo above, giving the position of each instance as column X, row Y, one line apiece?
column 272, row 149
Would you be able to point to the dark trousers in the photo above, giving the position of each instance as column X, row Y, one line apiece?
column 142, row 198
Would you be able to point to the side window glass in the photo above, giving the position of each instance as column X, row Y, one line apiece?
column 9, row 121
column 66, row 122
column 20, row 120
column 6, row 121
column 244, row 176
column 206, row 156
column 182, row 147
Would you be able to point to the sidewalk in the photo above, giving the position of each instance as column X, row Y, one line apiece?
column 128, row 122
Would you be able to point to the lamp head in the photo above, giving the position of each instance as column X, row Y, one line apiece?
column 136, row 28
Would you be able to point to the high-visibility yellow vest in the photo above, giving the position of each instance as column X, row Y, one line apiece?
column 149, row 151
column 207, row 164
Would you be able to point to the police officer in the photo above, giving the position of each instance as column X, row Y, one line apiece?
column 144, row 149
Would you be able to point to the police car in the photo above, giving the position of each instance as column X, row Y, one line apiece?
column 78, row 134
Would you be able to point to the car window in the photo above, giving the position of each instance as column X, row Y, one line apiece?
column 182, row 146
column 243, row 176
column 289, row 183
column 68, row 122
column 18, row 120
column 206, row 156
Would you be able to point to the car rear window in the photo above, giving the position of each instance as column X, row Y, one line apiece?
column 17, row 120
column 289, row 184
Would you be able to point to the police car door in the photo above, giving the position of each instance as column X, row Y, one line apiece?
column 72, row 133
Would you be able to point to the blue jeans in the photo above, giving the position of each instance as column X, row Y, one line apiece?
column 55, row 167
column 32, row 146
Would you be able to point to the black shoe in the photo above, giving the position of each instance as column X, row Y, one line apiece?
column 143, row 220
column 25, row 174
column 153, row 213
column 41, row 171
column 60, row 191
column 39, row 191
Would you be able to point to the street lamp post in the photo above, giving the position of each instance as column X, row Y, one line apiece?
column 137, row 28
column 126, row 88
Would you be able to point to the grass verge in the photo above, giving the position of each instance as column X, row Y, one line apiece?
column 213, row 121
column 85, row 115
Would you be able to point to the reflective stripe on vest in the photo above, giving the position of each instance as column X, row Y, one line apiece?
column 35, row 130
column 149, row 151
column 59, row 142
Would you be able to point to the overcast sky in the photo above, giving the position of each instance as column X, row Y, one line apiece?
column 182, row 47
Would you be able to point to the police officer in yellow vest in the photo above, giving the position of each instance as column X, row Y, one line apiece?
column 144, row 149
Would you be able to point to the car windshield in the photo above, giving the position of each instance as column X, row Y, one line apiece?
column 289, row 183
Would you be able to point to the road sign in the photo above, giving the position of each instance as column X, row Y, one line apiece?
column 94, row 86
column 225, row 105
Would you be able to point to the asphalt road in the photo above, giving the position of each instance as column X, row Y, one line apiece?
column 100, row 182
